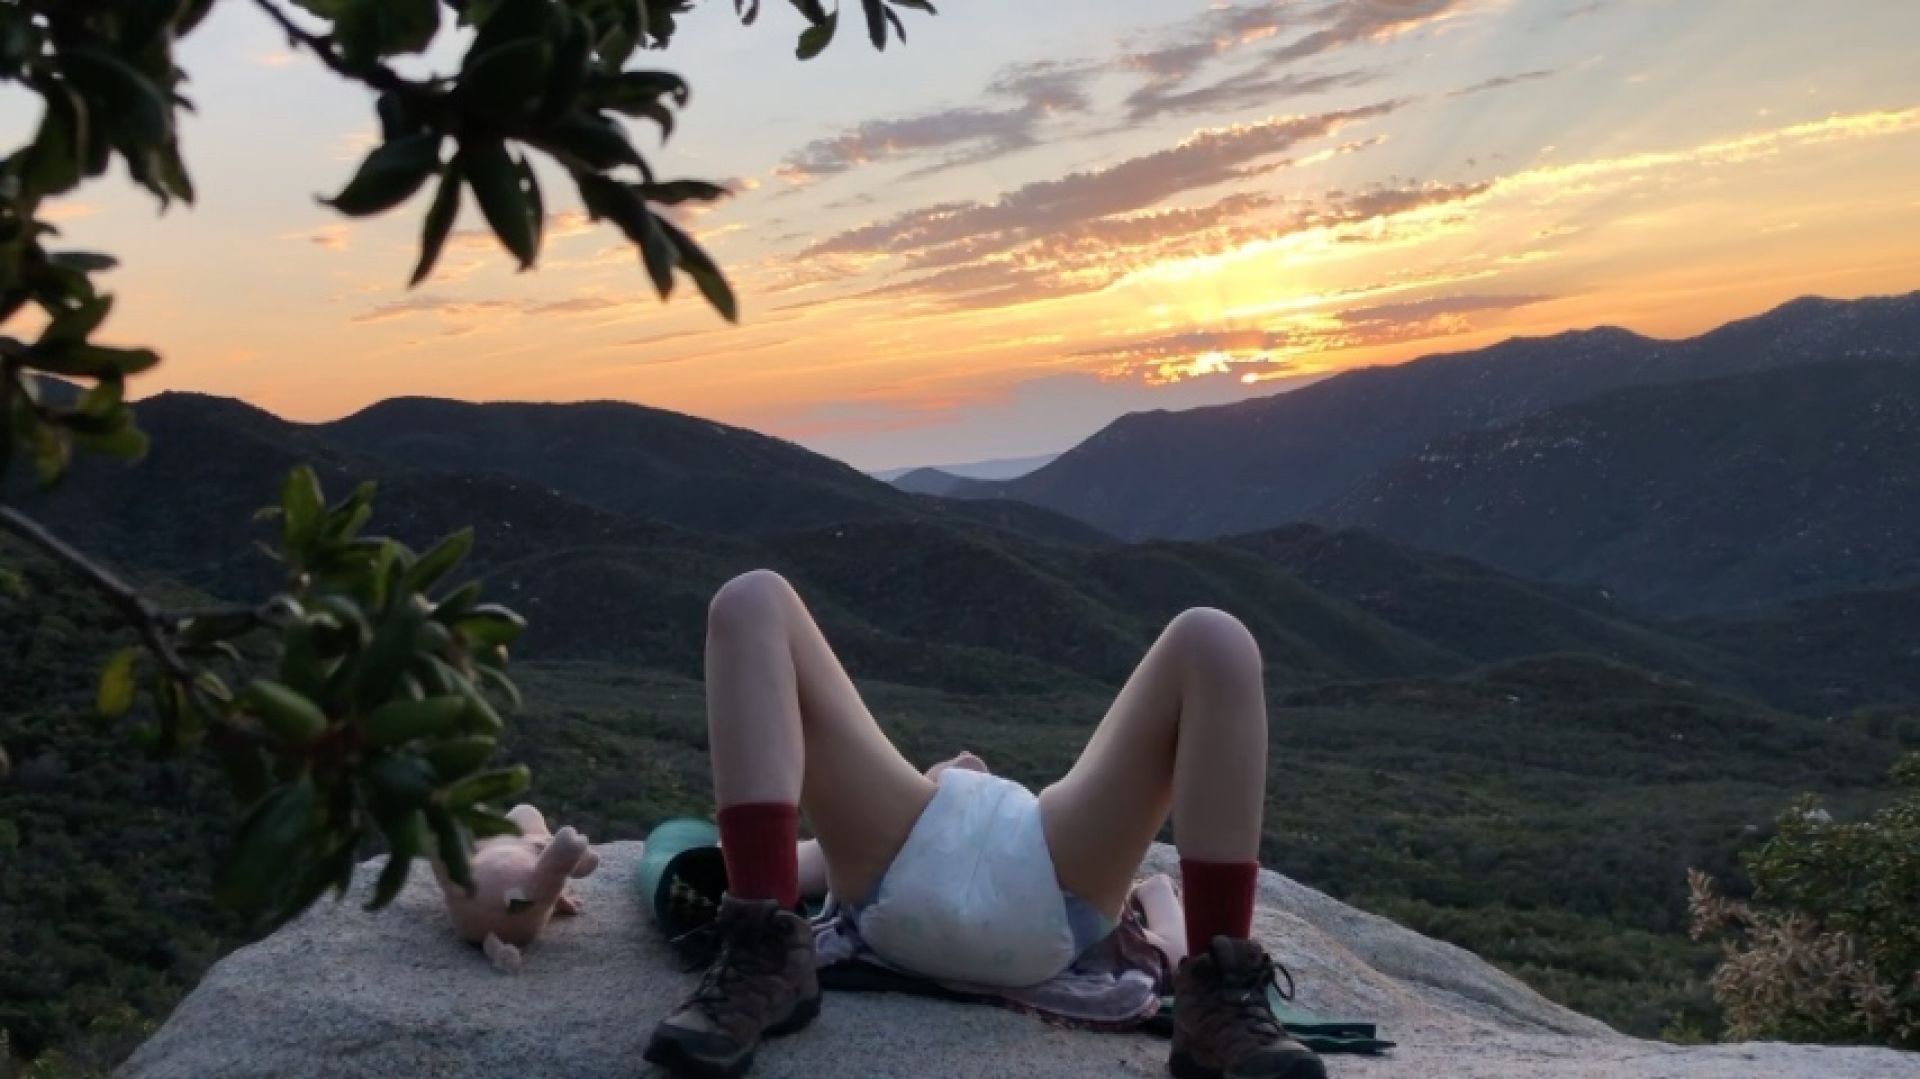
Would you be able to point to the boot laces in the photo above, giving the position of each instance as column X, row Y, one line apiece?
column 1248, row 994
column 743, row 955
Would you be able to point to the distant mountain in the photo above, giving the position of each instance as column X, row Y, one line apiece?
column 998, row 468
column 626, row 459
column 983, row 596
column 933, row 481
column 1723, row 493
column 1260, row 463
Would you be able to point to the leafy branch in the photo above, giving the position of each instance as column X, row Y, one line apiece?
column 369, row 698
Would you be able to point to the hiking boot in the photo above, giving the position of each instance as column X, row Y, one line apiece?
column 761, row 985
column 1223, row 1026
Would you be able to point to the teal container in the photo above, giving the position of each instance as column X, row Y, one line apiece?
column 682, row 875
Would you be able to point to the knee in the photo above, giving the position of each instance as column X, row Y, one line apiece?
column 1214, row 645
column 755, row 600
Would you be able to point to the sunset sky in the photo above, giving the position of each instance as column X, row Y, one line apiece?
column 1037, row 216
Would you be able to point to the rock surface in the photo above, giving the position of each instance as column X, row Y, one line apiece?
column 341, row 992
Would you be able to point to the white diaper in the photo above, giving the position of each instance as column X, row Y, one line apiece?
column 972, row 896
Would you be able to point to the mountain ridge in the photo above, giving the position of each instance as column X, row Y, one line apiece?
column 1264, row 462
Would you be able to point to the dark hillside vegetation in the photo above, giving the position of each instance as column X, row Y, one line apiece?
column 1716, row 495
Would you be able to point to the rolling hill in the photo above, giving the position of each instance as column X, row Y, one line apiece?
column 959, row 595
column 1257, row 464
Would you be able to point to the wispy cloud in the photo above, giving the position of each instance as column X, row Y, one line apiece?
column 1500, row 81
column 450, row 308
column 1228, row 32
column 958, row 230
column 1095, row 254
column 335, row 237
column 1035, row 91
column 1248, row 89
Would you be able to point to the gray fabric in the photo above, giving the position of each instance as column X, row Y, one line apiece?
column 1116, row 982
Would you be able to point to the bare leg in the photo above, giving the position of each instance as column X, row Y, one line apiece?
column 1187, row 734
column 786, row 725
column 813, row 864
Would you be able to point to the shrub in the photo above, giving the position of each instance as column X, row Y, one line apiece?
column 1828, row 947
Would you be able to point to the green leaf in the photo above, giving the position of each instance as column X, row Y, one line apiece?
column 126, row 443
column 73, row 325
column 115, row 696
column 324, row 872
column 103, row 400
column 496, row 183
column 458, row 602
column 369, row 30
column 629, row 89
column 439, row 561
column 213, row 686
column 817, row 37
column 52, row 453
column 83, row 261
column 481, row 717
column 511, row 20
column 133, row 105
column 92, row 361
column 390, row 175
column 439, row 225
column 272, row 833
column 387, row 657
column 674, row 192
column 536, row 204
column 457, row 758
column 713, row 285
column 288, row 713
column 455, row 845
column 490, row 624
column 400, row 782
column 301, row 506
column 572, row 66
column 406, row 839
column 499, row 682
column 55, row 160
column 403, row 721
column 485, row 825
column 488, row 787
column 587, row 143
column 657, row 255
column 344, row 521
column 507, row 80
column 876, row 22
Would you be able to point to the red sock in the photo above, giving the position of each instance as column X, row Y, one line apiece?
column 1219, row 900
column 760, row 841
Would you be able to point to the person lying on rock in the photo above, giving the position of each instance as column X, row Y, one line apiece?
column 969, row 876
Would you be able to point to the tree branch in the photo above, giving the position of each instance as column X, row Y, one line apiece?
column 378, row 76
column 132, row 606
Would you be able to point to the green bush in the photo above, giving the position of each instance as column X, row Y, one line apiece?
column 1828, row 947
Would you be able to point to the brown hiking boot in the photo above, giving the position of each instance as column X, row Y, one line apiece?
column 761, row 985
column 1223, row 1027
